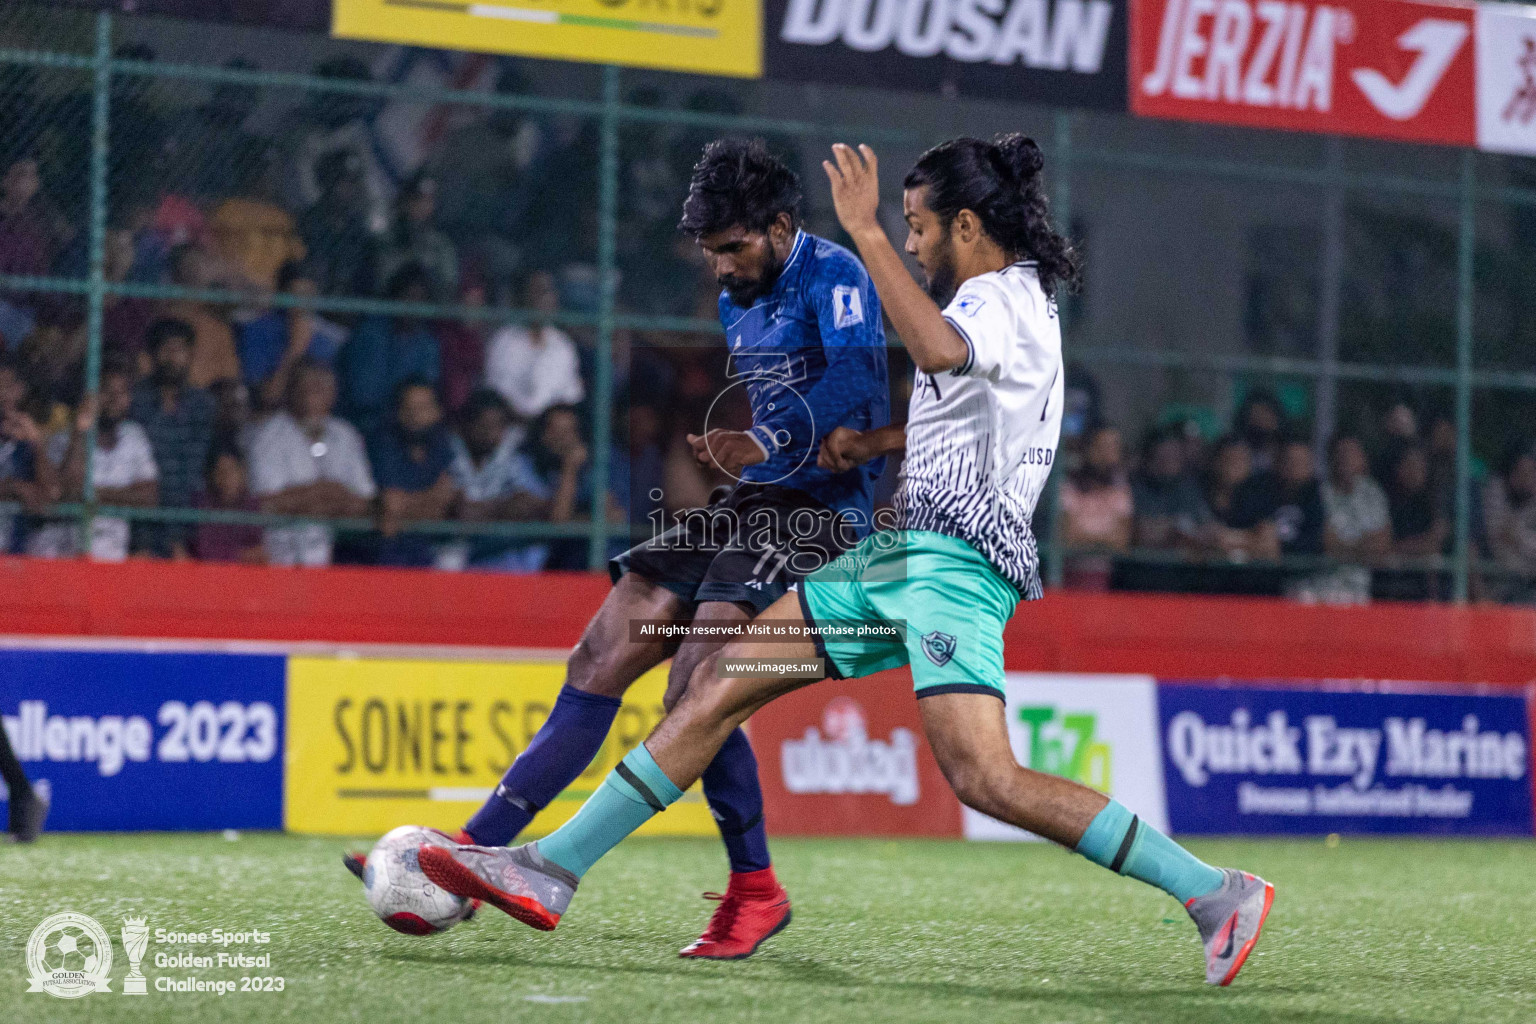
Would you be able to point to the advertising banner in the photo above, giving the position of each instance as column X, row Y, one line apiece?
column 379, row 743
column 712, row 37
column 848, row 758
column 121, row 740
column 1093, row 729
column 1057, row 52
column 1387, row 69
column 304, row 15
column 1506, row 79
column 1246, row 760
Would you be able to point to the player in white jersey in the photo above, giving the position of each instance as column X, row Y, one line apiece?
column 935, row 592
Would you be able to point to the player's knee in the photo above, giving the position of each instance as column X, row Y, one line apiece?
column 978, row 785
column 716, row 698
column 592, row 671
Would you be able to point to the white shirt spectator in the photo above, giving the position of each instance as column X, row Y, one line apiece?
column 284, row 456
column 533, row 373
column 129, row 461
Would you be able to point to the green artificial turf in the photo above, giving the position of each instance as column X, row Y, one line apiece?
column 883, row 931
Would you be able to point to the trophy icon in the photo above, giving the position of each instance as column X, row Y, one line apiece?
column 135, row 941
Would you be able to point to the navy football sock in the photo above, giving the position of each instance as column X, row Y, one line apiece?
column 563, row 748
column 736, row 799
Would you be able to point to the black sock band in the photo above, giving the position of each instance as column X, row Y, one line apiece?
column 1125, row 846
column 640, row 787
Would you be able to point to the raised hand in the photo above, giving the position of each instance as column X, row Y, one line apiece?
column 855, row 178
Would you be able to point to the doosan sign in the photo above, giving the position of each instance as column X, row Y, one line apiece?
column 1383, row 68
column 1062, row 52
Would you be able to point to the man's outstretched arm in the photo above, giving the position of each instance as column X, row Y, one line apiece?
column 935, row 346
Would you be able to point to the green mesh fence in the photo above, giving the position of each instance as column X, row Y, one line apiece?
column 266, row 201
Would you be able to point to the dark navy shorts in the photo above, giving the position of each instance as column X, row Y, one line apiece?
column 747, row 546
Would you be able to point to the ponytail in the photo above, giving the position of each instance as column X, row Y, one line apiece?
column 1000, row 182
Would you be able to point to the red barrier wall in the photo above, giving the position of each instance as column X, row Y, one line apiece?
column 1167, row 636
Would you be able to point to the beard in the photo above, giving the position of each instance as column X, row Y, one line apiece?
column 169, row 376
column 743, row 292
column 940, row 284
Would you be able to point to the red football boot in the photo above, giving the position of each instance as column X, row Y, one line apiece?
column 753, row 910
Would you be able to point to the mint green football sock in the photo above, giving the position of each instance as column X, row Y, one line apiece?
column 631, row 795
column 1118, row 840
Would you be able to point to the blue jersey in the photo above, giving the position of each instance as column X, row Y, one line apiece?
column 811, row 354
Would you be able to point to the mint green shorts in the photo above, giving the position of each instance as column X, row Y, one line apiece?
column 948, row 600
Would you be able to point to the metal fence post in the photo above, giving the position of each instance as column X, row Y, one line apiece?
column 1061, row 199
column 101, row 92
column 1464, row 299
column 1326, row 399
column 607, row 275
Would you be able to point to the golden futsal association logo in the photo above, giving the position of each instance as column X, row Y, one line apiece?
column 69, row 955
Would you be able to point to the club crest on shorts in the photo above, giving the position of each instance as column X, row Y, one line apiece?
column 939, row 647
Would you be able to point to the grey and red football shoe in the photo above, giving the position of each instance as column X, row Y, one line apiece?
column 518, row 880
column 753, row 909
column 1230, row 920
column 356, row 861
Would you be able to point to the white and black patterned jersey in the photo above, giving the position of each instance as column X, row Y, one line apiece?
column 981, row 438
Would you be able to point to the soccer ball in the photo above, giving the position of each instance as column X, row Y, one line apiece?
column 403, row 897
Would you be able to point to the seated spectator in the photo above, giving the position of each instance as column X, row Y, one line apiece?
column 26, row 474
column 496, row 482
column 1298, row 500
column 179, row 421
column 26, row 245
column 227, row 489
column 1170, row 513
column 386, row 351
column 462, row 343
column 1419, row 528
column 558, row 455
column 232, row 423
column 123, row 471
column 1096, row 509
column 411, row 461
column 1300, row 522
column 535, row 367
column 413, row 239
column 52, row 358
column 335, row 229
column 213, row 342
column 1510, row 504
column 1260, row 422
column 1244, row 512
column 1359, row 526
column 273, row 343
column 306, row 462
column 125, row 319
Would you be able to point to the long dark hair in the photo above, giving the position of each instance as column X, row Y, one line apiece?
column 1000, row 182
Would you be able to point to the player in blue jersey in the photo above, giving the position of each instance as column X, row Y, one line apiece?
column 803, row 326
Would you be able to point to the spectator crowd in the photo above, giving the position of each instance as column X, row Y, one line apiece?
column 1267, row 509
column 252, row 405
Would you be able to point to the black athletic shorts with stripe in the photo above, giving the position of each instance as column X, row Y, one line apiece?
column 747, row 546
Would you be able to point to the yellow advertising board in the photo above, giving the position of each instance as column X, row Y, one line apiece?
column 712, row 37
column 377, row 743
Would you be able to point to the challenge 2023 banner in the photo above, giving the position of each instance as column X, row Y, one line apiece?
column 712, row 37
column 376, row 743
column 149, row 741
